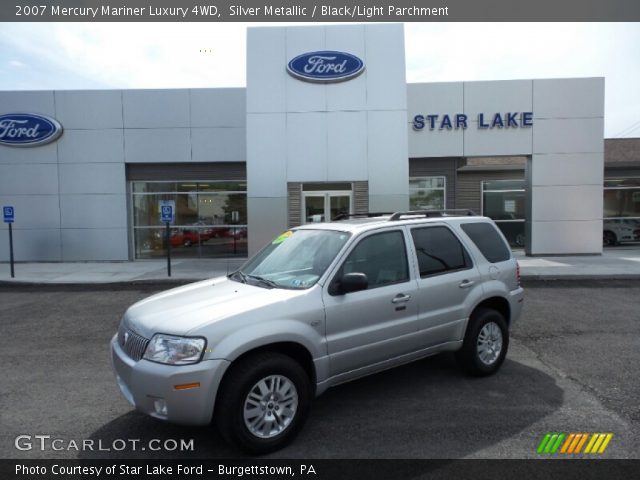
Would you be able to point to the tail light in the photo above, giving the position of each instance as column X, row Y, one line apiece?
column 518, row 273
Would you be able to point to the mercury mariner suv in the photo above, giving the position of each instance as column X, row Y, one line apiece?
column 320, row 305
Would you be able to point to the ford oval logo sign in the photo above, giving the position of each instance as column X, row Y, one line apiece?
column 325, row 66
column 28, row 129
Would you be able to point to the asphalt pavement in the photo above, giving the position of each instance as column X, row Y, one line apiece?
column 573, row 366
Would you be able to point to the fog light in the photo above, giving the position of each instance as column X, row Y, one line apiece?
column 160, row 406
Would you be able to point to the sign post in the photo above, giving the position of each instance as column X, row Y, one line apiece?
column 8, row 213
column 167, row 216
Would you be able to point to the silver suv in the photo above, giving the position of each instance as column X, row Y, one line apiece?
column 320, row 305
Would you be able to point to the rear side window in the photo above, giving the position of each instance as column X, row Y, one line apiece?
column 439, row 251
column 488, row 241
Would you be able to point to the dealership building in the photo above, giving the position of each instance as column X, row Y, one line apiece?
column 326, row 125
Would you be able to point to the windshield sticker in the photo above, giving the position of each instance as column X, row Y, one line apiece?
column 281, row 238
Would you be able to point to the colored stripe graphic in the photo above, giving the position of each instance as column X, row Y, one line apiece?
column 572, row 443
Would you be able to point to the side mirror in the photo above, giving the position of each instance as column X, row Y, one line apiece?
column 353, row 282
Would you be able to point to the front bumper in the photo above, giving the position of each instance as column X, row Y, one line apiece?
column 146, row 385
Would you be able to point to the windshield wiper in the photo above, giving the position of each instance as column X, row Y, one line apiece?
column 264, row 281
column 240, row 274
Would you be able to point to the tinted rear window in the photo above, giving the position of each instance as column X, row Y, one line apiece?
column 439, row 251
column 488, row 241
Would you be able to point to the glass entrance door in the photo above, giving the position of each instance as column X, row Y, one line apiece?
column 325, row 206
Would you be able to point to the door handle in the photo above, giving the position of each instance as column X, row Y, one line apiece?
column 401, row 298
column 466, row 283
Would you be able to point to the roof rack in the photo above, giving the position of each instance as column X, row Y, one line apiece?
column 345, row 216
column 461, row 212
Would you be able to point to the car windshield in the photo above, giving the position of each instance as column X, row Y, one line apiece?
column 296, row 259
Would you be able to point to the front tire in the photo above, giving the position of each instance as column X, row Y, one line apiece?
column 485, row 344
column 609, row 239
column 263, row 402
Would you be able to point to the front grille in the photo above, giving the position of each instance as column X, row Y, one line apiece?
column 131, row 343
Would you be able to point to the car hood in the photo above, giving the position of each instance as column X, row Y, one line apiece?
column 180, row 310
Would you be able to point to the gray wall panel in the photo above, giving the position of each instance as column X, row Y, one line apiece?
column 32, row 245
column 93, row 211
column 92, row 178
column 29, row 179
column 89, row 109
column 94, row 244
column 89, row 146
column 220, row 107
column 156, row 108
column 218, row 144
column 33, row 211
column 20, row 156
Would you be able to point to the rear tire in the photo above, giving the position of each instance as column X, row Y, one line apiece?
column 263, row 402
column 485, row 344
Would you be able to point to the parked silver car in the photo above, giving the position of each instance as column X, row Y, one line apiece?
column 320, row 305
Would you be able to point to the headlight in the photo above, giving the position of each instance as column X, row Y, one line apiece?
column 174, row 350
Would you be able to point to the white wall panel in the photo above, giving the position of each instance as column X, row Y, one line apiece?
column 306, row 141
column 386, row 79
column 566, row 202
column 268, row 218
column 347, row 146
column 497, row 141
column 304, row 96
column 568, row 98
column 27, row 102
column 266, row 63
column 267, row 149
column 568, row 169
column 350, row 95
column 568, row 135
column 568, row 237
column 387, row 157
column 497, row 97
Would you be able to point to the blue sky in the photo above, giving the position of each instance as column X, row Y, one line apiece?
column 45, row 56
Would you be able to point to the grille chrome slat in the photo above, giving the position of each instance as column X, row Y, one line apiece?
column 131, row 343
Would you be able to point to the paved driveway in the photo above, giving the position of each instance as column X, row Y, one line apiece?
column 573, row 365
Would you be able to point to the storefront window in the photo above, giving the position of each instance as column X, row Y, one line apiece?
column 504, row 202
column 622, row 198
column 621, row 211
column 427, row 193
column 210, row 219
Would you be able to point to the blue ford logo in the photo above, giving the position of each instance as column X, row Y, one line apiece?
column 28, row 129
column 325, row 66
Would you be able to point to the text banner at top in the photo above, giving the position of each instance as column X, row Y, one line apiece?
column 318, row 10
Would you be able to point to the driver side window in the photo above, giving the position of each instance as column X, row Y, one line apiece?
column 382, row 257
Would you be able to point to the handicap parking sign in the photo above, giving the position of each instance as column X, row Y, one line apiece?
column 9, row 214
column 167, row 211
